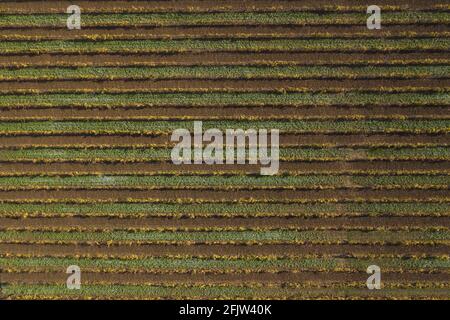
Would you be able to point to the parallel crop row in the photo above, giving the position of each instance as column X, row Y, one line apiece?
column 173, row 46
column 310, row 181
column 224, row 99
column 223, row 265
column 167, row 127
column 238, row 18
column 218, row 72
column 182, row 6
column 223, row 292
column 287, row 154
column 261, row 236
column 226, row 209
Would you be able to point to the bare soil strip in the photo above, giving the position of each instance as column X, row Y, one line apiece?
column 218, row 32
column 297, row 167
column 208, row 6
column 172, row 113
column 247, row 85
column 306, row 278
column 103, row 223
column 286, row 140
column 224, row 58
column 219, row 195
column 224, row 250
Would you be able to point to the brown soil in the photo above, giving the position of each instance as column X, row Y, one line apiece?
column 331, row 112
column 221, row 58
column 191, row 85
column 291, row 140
column 224, row 196
column 98, row 223
column 303, row 167
column 229, row 278
column 218, row 32
column 202, row 6
column 228, row 250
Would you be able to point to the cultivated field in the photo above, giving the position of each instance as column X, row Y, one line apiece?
column 86, row 176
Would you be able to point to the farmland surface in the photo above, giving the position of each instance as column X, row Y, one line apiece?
column 86, row 176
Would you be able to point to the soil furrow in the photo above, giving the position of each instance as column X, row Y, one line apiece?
column 218, row 195
column 219, row 32
column 247, row 85
column 286, row 140
column 228, row 250
column 209, row 6
column 297, row 167
column 100, row 223
column 224, row 58
column 305, row 277
column 169, row 113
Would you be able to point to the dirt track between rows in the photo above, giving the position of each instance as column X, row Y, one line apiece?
column 228, row 250
column 306, row 278
column 222, row 58
column 247, row 85
column 102, row 223
column 220, row 32
column 225, row 196
column 203, row 6
column 300, row 167
column 286, row 140
column 202, row 113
